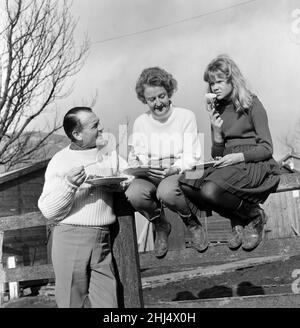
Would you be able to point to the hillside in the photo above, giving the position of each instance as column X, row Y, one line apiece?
column 55, row 143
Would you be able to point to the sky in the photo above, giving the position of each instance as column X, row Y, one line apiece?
column 262, row 36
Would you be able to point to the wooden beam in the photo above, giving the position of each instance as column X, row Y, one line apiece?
column 184, row 274
column 1, row 270
column 262, row 301
column 23, row 221
column 289, row 181
column 32, row 302
column 219, row 254
column 125, row 252
column 13, row 286
column 9, row 176
column 27, row 273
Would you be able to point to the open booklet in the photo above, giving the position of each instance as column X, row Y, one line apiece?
column 97, row 181
column 205, row 164
column 141, row 170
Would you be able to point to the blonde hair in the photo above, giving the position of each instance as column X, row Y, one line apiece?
column 224, row 67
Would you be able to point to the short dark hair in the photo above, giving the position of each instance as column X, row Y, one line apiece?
column 155, row 76
column 71, row 121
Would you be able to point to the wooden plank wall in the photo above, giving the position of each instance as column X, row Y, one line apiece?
column 18, row 197
column 28, row 245
column 283, row 210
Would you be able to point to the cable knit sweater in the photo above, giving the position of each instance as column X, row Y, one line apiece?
column 85, row 205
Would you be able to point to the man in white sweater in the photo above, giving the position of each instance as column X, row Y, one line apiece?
column 164, row 136
column 81, row 248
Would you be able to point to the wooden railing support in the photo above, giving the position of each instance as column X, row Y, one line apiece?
column 126, row 256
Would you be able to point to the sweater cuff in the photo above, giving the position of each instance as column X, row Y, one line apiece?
column 70, row 186
column 217, row 149
column 218, row 144
column 256, row 155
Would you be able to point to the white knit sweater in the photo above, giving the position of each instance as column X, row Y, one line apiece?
column 85, row 205
column 172, row 143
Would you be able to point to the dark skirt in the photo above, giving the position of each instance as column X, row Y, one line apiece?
column 252, row 182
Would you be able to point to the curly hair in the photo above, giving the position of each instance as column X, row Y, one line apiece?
column 155, row 76
column 224, row 67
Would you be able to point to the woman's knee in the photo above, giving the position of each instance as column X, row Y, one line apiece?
column 139, row 194
column 168, row 190
column 188, row 191
column 211, row 192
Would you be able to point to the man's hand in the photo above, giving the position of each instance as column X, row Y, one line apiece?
column 76, row 176
column 230, row 159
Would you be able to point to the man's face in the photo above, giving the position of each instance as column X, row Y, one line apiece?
column 90, row 134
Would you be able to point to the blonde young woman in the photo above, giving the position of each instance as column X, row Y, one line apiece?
column 245, row 172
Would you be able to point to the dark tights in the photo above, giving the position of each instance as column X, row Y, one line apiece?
column 212, row 197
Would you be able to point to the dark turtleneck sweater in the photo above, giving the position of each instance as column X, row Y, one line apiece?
column 250, row 127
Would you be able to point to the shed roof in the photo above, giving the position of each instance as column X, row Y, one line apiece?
column 14, row 174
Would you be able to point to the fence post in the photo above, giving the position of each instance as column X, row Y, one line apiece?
column 2, row 285
column 13, row 286
column 126, row 256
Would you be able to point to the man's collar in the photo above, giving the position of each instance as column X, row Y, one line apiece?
column 75, row 146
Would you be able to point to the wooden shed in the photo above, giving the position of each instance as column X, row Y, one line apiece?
column 19, row 192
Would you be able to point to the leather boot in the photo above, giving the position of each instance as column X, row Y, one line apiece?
column 255, row 219
column 254, row 231
column 162, row 231
column 236, row 238
column 199, row 235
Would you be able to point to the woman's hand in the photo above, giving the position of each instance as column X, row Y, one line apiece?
column 216, row 121
column 230, row 159
column 161, row 174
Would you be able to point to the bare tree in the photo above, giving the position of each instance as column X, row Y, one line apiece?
column 38, row 54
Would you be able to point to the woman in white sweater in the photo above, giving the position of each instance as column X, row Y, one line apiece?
column 81, row 250
column 164, row 136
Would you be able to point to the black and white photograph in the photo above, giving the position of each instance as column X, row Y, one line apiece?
column 149, row 157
